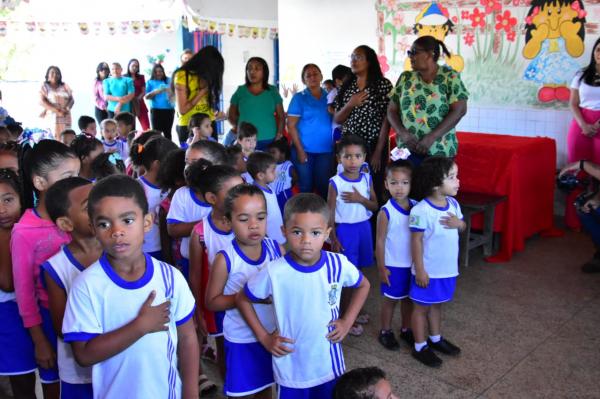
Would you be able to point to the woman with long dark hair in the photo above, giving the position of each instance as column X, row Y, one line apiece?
column 158, row 91
column 259, row 103
column 427, row 103
column 102, row 72
column 361, row 107
column 198, row 86
column 57, row 100
column 138, row 105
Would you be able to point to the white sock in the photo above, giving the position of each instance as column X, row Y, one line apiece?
column 420, row 345
column 435, row 338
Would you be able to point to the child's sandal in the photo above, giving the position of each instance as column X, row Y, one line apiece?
column 205, row 385
column 356, row 330
column 363, row 319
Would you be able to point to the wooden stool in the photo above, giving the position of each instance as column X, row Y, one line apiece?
column 471, row 204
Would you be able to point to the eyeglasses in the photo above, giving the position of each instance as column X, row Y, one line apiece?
column 357, row 57
column 413, row 52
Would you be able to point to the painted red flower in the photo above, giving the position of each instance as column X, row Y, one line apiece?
column 444, row 11
column 455, row 19
column 465, row 15
column 383, row 63
column 510, row 36
column 491, row 6
column 505, row 21
column 469, row 38
column 477, row 18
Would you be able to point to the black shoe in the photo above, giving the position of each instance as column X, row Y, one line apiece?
column 593, row 266
column 444, row 346
column 388, row 340
column 427, row 357
column 408, row 337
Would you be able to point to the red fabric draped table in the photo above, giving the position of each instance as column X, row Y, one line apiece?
column 523, row 169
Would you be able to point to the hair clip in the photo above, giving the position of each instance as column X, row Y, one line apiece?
column 112, row 158
column 140, row 148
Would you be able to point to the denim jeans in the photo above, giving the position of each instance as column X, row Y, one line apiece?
column 314, row 174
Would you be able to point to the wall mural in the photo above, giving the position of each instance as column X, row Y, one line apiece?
column 509, row 52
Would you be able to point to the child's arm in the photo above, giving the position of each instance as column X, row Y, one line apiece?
column 273, row 343
column 294, row 175
column 6, row 275
column 104, row 346
column 57, row 299
column 416, row 249
column 165, row 239
column 216, row 300
column 181, row 230
column 355, row 197
column 188, row 353
column 331, row 199
column 453, row 222
column 382, row 224
column 343, row 324
column 196, row 260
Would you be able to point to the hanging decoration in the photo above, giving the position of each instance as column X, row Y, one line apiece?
column 195, row 23
column 88, row 27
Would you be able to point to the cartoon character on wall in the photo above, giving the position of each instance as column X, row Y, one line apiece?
column 434, row 21
column 554, row 36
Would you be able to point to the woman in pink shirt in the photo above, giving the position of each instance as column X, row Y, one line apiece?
column 35, row 239
column 102, row 72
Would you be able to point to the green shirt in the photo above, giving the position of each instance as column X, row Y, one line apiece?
column 424, row 105
column 258, row 110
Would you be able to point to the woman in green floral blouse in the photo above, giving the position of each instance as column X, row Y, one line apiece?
column 427, row 103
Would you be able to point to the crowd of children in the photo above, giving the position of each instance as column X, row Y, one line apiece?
column 121, row 256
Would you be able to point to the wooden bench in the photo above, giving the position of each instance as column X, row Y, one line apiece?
column 471, row 204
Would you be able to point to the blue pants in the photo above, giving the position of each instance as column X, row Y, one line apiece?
column 314, row 174
column 591, row 224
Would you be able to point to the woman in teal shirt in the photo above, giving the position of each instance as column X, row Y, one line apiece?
column 162, row 110
column 258, row 103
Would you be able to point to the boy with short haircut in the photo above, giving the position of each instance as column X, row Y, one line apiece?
column 66, row 202
column 108, row 131
column 87, row 125
column 247, row 134
column 67, row 136
column 307, row 354
column 125, row 126
column 128, row 313
column 364, row 383
column 261, row 167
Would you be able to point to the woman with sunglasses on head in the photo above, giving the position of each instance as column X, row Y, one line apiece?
column 102, row 72
column 427, row 103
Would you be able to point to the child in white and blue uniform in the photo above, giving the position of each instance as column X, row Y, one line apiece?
column 434, row 223
column 285, row 172
column 242, row 258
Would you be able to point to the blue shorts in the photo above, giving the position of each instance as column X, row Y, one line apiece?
column 218, row 322
column 322, row 391
column 282, row 198
column 75, row 391
column 184, row 266
column 399, row 283
column 17, row 356
column 48, row 376
column 439, row 290
column 243, row 381
column 357, row 241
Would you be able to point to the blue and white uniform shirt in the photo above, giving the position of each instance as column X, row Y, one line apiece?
column 155, row 196
column 397, row 237
column 283, row 177
column 274, row 218
column 214, row 239
column 351, row 212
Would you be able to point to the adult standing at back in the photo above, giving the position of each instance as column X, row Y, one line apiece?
column 309, row 126
column 102, row 72
column 427, row 103
column 57, row 100
column 361, row 107
column 139, row 84
column 259, row 103
column 118, row 91
column 198, row 85
column 158, row 91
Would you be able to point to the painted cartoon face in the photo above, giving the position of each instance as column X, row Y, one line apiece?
column 437, row 31
column 553, row 15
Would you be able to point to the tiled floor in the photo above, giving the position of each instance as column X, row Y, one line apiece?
column 527, row 329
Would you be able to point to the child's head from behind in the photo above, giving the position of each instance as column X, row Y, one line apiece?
column 261, row 166
column 236, row 158
column 200, row 126
column 67, row 203
column 67, row 136
column 87, row 125
column 398, row 176
column 340, row 74
column 435, row 175
column 125, row 123
column 107, row 164
column 246, row 137
column 10, row 199
column 280, row 150
column 306, row 226
column 87, row 148
column 351, row 151
column 48, row 162
column 212, row 181
column 363, row 383
column 108, row 129
column 118, row 211
column 151, row 154
column 9, row 156
column 211, row 151
column 171, row 173
column 246, row 209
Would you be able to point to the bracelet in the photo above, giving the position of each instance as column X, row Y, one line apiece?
column 581, row 162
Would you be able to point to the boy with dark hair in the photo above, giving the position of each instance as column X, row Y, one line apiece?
column 261, row 167
column 308, row 365
column 125, row 126
column 339, row 74
column 247, row 135
column 87, row 125
column 67, row 136
column 128, row 311
column 364, row 383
